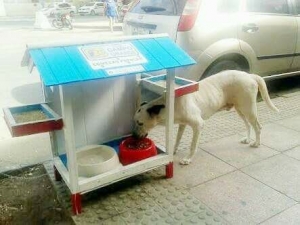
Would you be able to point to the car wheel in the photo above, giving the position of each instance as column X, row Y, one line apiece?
column 93, row 13
column 221, row 66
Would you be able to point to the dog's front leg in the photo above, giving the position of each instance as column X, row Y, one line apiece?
column 194, row 145
column 180, row 131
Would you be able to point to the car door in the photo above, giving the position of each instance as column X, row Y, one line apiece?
column 296, row 61
column 268, row 30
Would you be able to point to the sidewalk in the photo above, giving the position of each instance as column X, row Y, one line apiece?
column 227, row 182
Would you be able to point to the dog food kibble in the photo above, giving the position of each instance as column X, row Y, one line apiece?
column 29, row 116
column 138, row 145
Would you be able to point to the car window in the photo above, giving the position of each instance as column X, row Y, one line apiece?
column 268, row 6
column 228, row 6
column 99, row 4
column 155, row 7
column 89, row 4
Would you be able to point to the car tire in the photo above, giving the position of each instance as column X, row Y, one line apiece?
column 221, row 66
column 92, row 13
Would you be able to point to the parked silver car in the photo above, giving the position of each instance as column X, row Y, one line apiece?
column 59, row 8
column 92, row 8
column 260, row 36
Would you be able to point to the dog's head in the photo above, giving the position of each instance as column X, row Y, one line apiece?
column 146, row 118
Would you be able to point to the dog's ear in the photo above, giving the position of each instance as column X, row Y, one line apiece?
column 154, row 110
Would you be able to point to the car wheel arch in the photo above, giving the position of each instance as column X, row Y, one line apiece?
column 230, row 61
column 226, row 49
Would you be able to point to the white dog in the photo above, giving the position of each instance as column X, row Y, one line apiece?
column 224, row 90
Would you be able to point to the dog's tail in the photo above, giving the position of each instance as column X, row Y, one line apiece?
column 264, row 92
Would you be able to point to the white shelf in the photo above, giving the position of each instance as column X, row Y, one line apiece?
column 87, row 184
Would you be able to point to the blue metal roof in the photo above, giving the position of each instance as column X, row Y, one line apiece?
column 66, row 64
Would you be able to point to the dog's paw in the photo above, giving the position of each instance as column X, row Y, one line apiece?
column 185, row 161
column 254, row 144
column 245, row 140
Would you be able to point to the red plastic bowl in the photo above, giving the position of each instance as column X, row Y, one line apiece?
column 133, row 150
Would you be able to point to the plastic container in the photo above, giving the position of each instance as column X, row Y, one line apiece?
column 96, row 159
column 133, row 150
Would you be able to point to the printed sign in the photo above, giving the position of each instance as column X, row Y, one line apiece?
column 114, row 55
column 128, row 69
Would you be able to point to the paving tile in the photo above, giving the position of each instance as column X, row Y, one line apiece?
column 164, row 189
column 116, row 220
column 205, row 218
column 239, row 155
column 290, row 216
column 279, row 172
column 153, row 215
column 240, row 199
column 293, row 94
column 294, row 153
column 204, row 167
column 188, row 210
column 279, row 138
column 292, row 123
column 129, row 199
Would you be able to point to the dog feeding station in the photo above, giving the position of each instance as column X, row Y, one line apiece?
column 91, row 90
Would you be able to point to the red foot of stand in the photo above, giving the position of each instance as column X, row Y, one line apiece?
column 76, row 203
column 57, row 174
column 169, row 170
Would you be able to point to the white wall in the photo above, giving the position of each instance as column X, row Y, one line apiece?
column 2, row 9
column 21, row 9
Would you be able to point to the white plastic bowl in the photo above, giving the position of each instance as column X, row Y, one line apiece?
column 93, row 160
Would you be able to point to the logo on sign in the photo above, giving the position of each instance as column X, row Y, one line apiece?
column 112, row 55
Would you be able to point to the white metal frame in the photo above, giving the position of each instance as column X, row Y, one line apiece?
column 83, row 185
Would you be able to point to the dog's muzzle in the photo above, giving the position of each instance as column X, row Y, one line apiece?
column 138, row 135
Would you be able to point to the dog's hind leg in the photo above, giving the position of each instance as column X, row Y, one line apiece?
column 180, row 131
column 251, row 116
column 257, row 128
column 247, row 139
